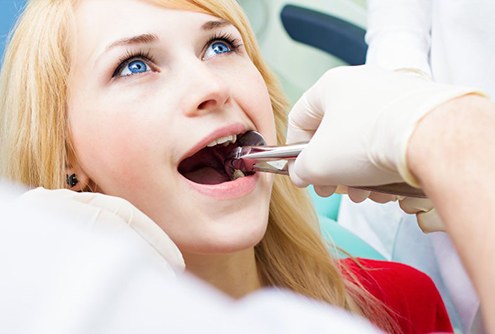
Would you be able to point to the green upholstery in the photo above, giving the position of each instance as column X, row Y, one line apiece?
column 328, row 212
column 338, row 235
column 326, row 206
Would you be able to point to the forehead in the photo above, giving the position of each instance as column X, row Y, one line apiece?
column 105, row 21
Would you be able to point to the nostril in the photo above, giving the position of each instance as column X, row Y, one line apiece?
column 203, row 101
column 215, row 98
column 208, row 104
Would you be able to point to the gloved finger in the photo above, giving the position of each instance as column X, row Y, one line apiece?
column 341, row 189
column 294, row 177
column 306, row 115
column 303, row 120
column 325, row 191
column 382, row 198
column 317, row 165
column 358, row 195
column 430, row 221
column 414, row 205
column 297, row 135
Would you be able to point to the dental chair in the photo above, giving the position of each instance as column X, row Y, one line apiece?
column 328, row 33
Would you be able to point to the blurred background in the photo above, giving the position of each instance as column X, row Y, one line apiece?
column 9, row 9
column 297, row 65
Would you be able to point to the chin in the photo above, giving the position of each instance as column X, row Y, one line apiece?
column 226, row 235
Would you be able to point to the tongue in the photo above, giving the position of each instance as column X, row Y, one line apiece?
column 207, row 175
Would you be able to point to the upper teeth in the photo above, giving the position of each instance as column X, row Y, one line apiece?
column 223, row 140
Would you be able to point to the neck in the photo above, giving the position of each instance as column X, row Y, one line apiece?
column 235, row 274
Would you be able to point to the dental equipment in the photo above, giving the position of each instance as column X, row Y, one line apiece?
column 253, row 156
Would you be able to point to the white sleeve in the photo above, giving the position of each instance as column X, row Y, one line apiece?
column 63, row 275
column 398, row 34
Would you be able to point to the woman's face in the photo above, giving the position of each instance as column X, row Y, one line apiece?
column 152, row 86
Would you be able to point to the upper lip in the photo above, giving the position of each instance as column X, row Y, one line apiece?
column 233, row 129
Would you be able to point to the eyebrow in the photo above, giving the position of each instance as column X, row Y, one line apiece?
column 211, row 25
column 139, row 39
column 150, row 38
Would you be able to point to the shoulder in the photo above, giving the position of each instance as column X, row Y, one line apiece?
column 409, row 293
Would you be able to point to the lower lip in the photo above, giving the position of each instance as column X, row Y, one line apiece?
column 227, row 190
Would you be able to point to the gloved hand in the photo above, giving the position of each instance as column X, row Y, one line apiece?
column 104, row 213
column 426, row 215
column 358, row 121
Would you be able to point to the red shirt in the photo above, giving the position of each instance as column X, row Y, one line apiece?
column 408, row 292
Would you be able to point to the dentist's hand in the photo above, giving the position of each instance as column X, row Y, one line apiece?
column 426, row 215
column 358, row 121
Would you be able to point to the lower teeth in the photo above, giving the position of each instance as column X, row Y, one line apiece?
column 236, row 175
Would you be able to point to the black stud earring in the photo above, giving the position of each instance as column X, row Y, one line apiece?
column 71, row 180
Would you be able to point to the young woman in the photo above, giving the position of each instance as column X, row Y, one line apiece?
column 137, row 99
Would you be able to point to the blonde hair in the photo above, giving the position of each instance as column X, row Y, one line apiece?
column 33, row 100
column 35, row 148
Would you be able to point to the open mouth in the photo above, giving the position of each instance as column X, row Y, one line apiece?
column 207, row 166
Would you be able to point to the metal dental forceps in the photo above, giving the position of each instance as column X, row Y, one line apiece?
column 274, row 159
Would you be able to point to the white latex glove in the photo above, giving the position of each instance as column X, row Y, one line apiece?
column 428, row 219
column 358, row 121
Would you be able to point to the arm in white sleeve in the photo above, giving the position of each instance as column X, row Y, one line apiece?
column 80, row 263
column 89, row 263
column 451, row 152
column 398, row 34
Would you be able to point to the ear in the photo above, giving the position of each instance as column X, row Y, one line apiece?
column 76, row 179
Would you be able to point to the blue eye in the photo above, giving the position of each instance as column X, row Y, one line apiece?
column 132, row 67
column 217, row 48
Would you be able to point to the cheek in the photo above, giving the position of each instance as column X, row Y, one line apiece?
column 260, row 109
column 109, row 146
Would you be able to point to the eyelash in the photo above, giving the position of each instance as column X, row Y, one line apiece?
column 130, row 55
column 234, row 43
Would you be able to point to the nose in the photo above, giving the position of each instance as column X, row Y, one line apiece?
column 207, row 90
